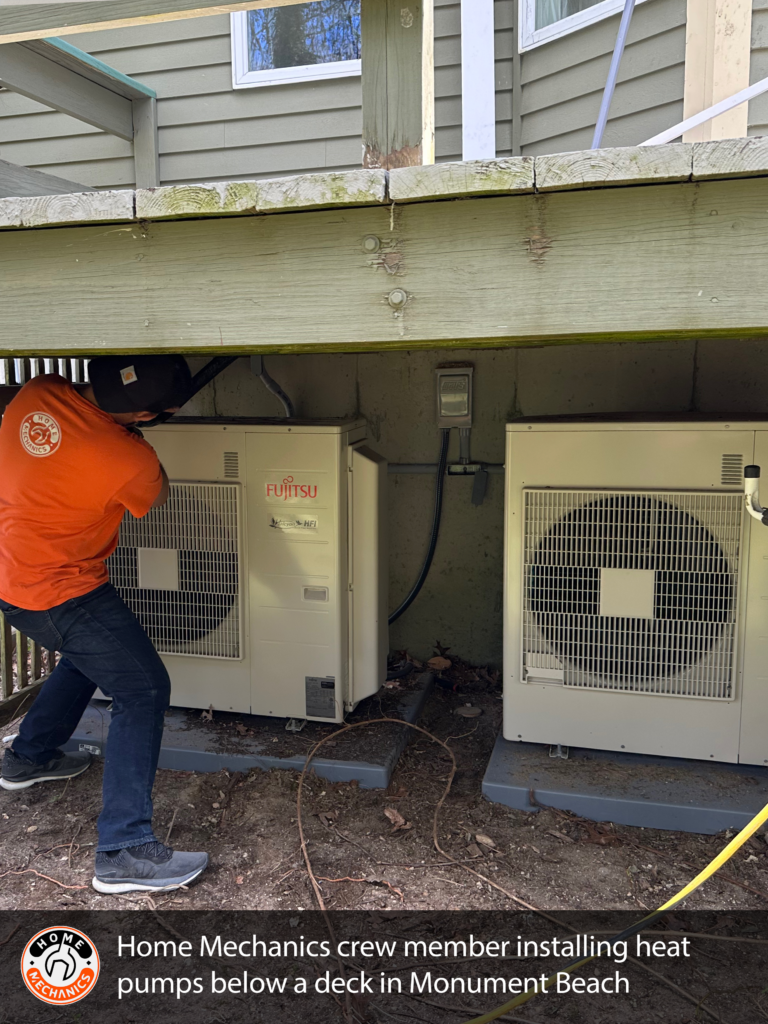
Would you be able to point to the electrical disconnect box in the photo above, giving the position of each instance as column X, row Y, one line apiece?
column 454, row 395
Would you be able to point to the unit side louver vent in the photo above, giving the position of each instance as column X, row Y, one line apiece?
column 732, row 471
column 633, row 592
column 231, row 465
column 178, row 569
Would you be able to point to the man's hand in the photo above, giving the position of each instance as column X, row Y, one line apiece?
column 162, row 496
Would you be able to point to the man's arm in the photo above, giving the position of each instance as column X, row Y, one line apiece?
column 162, row 496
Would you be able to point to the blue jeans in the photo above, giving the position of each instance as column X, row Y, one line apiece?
column 102, row 645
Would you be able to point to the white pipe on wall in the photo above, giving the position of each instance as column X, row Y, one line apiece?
column 478, row 80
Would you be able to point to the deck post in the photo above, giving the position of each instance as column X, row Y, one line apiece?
column 398, row 83
column 145, row 148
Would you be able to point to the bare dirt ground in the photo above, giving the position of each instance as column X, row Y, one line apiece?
column 369, row 860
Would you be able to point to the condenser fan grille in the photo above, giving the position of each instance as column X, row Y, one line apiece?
column 178, row 569
column 632, row 591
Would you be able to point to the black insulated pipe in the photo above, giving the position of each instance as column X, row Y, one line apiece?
column 437, row 516
column 260, row 370
column 199, row 380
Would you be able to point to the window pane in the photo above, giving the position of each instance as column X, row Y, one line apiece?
column 316, row 33
column 550, row 11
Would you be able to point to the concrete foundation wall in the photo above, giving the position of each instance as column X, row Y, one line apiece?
column 461, row 604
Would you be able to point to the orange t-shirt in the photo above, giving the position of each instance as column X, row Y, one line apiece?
column 68, row 472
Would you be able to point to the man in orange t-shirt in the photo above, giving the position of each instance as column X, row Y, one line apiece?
column 70, row 466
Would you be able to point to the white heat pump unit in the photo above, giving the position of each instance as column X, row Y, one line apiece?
column 263, row 580
column 636, row 589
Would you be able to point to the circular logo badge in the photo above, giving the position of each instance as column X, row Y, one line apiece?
column 40, row 434
column 60, row 965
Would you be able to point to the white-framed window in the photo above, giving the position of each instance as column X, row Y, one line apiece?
column 298, row 43
column 544, row 20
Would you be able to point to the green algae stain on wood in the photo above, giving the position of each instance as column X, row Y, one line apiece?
column 299, row 192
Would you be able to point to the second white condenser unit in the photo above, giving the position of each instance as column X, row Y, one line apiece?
column 636, row 589
column 263, row 580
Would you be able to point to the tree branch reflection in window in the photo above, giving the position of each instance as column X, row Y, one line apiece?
column 323, row 32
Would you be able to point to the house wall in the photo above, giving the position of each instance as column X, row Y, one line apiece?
column 461, row 604
column 209, row 132
column 562, row 82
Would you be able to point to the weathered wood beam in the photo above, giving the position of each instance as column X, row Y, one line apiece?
column 90, row 67
column 28, row 19
column 146, row 151
column 36, row 76
column 398, row 83
column 717, row 64
column 16, row 180
column 591, row 264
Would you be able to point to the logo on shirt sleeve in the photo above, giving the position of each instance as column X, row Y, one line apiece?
column 40, row 434
column 128, row 375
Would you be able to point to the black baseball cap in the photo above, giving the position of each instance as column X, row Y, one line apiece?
column 138, row 383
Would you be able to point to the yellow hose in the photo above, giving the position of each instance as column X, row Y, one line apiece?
column 714, row 865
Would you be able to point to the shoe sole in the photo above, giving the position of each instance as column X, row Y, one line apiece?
column 8, row 784
column 121, row 887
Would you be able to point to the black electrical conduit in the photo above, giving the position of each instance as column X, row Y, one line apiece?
column 213, row 369
column 439, row 485
column 274, row 388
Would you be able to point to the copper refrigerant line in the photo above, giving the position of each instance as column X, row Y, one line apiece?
column 487, row 1018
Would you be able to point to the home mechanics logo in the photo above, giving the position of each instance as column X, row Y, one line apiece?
column 60, row 965
column 290, row 491
column 40, row 434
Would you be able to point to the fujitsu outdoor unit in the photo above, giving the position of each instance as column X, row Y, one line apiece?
column 636, row 589
column 263, row 580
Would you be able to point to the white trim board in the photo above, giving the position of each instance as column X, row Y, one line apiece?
column 530, row 36
column 242, row 78
column 478, row 80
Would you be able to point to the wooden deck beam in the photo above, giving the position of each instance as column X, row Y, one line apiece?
column 617, row 245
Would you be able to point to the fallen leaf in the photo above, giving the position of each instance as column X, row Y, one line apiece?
column 439, row 664
column 328, row 817
column 415, row 661
column 485, row 840
column 32, row 828
column 560, row 835
column 242, row 729
column 401, row 794
column 207, row 716
column 398, row 821
column 239, row 880
column 473, row 850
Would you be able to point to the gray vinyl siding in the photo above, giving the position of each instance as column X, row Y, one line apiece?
column 562, row 82
column 758, row 108
column 208, row 131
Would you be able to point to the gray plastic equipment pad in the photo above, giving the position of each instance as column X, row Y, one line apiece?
column 190, row 745
column 628, row 789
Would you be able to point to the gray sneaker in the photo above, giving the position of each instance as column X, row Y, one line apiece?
column 151, row 867
column 20, row 773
